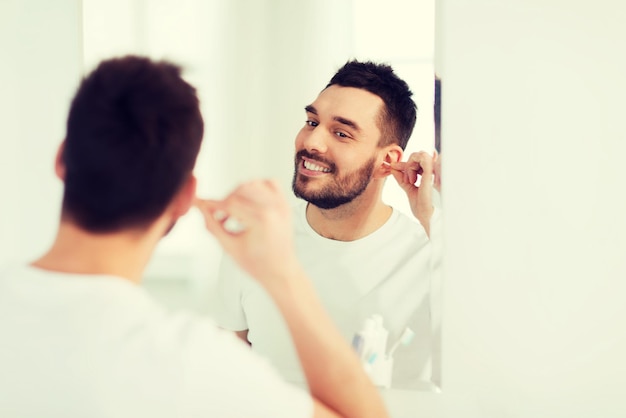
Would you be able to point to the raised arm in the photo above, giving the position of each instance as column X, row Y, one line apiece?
column 336, row 378
column 420, row 197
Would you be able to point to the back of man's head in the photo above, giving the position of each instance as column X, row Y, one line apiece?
column 133, row 134
column 400, row 113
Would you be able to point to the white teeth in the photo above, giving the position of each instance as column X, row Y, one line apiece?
column 314, row 167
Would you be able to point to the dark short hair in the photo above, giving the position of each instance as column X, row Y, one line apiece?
column 400, row 112
column 134, row 131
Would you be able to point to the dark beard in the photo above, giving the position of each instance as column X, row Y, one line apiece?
column 344, row 190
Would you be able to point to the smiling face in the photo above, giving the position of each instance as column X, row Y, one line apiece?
column 338, row 147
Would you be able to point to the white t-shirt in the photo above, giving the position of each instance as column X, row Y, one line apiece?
column 388, row 272
column 98, row 346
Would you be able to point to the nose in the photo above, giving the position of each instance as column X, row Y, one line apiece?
column 313, row 140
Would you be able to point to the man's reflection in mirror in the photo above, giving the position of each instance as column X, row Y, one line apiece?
column 365, row 258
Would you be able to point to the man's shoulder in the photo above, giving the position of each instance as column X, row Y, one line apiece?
column 405, row 228
column 401, row 219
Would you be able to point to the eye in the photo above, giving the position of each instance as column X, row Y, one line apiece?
column 341, row 135
column 311, row 123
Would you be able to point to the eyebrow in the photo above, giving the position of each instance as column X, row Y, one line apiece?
column 343, row 121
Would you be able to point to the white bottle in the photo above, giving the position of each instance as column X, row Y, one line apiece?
column 380, row 341
column 364, row 339
column 379, row 363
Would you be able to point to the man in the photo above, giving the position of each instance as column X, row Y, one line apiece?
column 364, row 257
column 81, row 339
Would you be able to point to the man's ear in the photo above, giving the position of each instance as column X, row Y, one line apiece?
column 185, row 197
column 390, row 154
column 59, row 165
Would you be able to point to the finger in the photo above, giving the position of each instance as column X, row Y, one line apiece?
column 267, row 197
column 211, row 211
column 206, row 206
column 239, row 213
column 397, row 166
column 412, row 174
column 272, row 185
column 403, row 181
column 411, row 170
column 244, row 204
column 253, row 201
column 427, row 164
column 219, row 218
column 398, row 177
column 411, row 165
column 257, row 192
column 420, row 159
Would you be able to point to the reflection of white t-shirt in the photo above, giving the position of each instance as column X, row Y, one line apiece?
column 387, row 272
column 98, row 346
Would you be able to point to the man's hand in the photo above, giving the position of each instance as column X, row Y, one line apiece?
column 420, row 197
column 262, row 241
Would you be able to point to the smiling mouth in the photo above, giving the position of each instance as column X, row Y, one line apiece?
column 309, row 165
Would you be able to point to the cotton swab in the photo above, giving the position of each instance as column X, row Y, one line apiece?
column 229, row 223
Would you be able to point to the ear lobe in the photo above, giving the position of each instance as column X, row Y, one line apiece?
column 59, row 165
column 185, row 197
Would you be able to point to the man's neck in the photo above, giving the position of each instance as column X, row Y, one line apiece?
column 350, row 221
column 77, row 251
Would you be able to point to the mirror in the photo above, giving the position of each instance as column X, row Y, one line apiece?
column 256, row 64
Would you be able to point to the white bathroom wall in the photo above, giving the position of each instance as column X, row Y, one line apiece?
column 534, row 316
column 41, row 65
